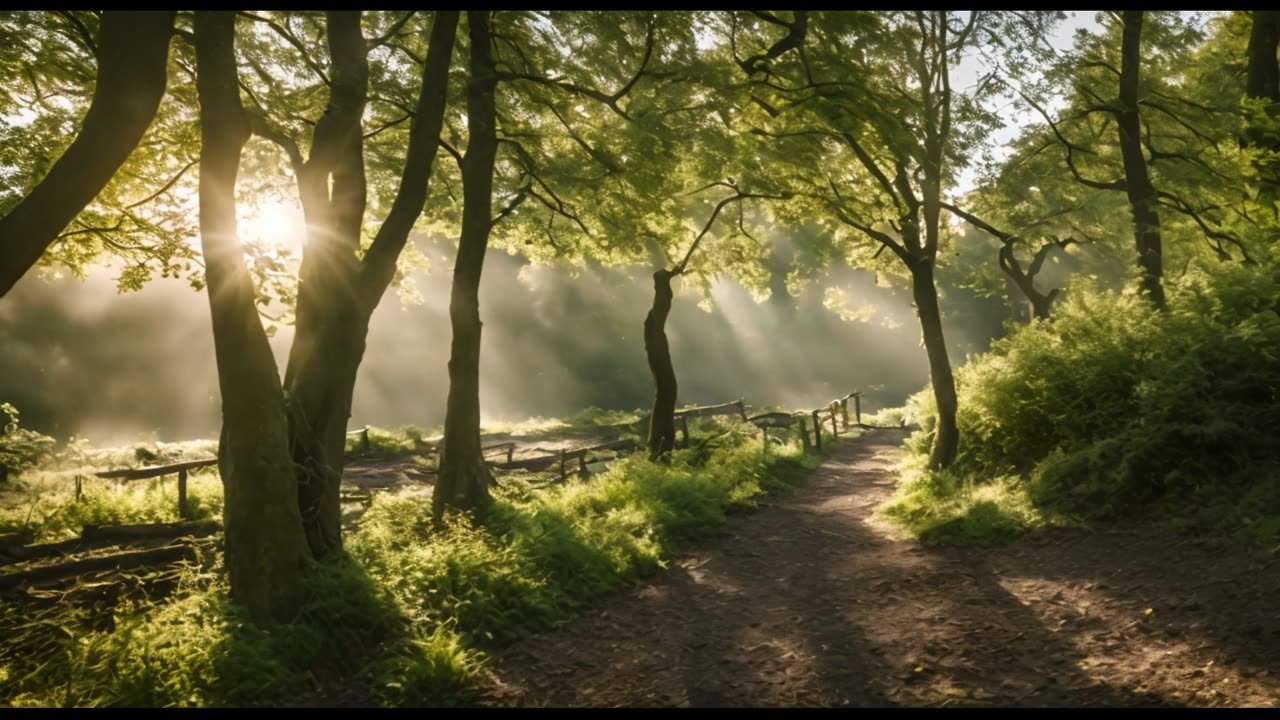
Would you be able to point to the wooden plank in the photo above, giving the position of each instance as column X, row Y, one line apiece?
column 772, row 419
column 543, row 462
column 510, row 447
column 731, row 408
column 157, row 471
column 817, row 430
column 534, row 464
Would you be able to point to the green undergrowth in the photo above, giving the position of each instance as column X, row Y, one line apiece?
column 1116, row 411
column 405, row 619
column 40, row 504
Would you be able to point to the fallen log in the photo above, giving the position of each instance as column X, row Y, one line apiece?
column 118, row 561
column 94, row 536
column 152, row 531
column 22, row 553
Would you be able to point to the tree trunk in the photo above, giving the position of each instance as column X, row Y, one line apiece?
column 318, row 407
column 1142, row 196
column 947, row 437
column 266, row 551
column 337, row 294
column 463, row 480
column 662, row 422
column 1263, row 81
column 1041, row 304
column 1263, row 77
column 133, row 51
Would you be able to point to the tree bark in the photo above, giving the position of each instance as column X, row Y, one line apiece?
column 133, row 50
column 337, row 293
column 662, row 421
column 1263, row 75
column 464, row 478
column 1262, row 80
column 1138, row 188
column 947, row 437
column 266, row 551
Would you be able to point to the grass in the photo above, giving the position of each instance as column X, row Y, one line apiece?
column 406, row 618
column 41, row 505
column 947, row 508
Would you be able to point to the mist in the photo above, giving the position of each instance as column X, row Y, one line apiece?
column 79, row 359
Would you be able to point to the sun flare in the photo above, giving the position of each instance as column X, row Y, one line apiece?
column 274, row 222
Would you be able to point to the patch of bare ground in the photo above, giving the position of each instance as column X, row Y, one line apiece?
column 814, row 601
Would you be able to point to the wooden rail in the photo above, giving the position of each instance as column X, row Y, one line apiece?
column 564, row 455
column 181, row 469
column 510, row 447
column 737, row 407
column 364, row 437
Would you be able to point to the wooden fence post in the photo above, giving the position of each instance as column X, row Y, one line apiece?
column 835, row 431
column 684, row 429
column 804, row 434
column 183, row 511
column 817, row 430
column 562, row 461
column 857, row 408
column 79, row 485
column 742, row 408
column 582, row 464
column 844, row 412
column 511, row 453
column 364, row 438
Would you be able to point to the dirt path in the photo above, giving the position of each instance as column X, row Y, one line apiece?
column 811, row 602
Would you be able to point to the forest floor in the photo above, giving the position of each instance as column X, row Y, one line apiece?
column 814, row 600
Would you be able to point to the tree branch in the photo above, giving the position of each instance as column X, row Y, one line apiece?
column 736, row 197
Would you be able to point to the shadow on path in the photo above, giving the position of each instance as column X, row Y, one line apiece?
column 811, row 602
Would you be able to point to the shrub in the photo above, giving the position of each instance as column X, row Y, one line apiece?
column 1113, row 407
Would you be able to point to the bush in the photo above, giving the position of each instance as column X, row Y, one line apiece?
column 1113, row 407
column 20, row 449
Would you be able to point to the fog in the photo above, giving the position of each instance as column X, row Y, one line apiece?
column 77, row 358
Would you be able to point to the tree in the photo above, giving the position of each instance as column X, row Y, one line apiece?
column 266, row 550
column 339, row 289
column 868, row 132
column 1023, row 279
column 564, row 158
column 662, row 423
column 1263, row 80
column 132, row 49
column 1137, row 183
column 277, row 455
column 1161, row 136
column 463, row 478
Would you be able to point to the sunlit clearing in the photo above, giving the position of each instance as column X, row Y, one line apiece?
column 274, row 222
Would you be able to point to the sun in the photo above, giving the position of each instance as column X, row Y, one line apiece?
column 273, row 223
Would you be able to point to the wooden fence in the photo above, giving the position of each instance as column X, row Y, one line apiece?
column 837, row 412
column 181, row 469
